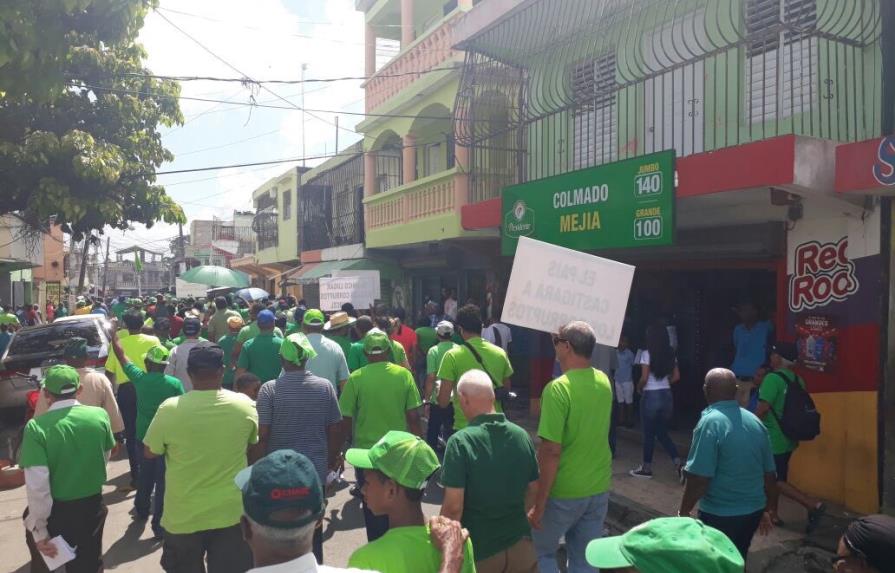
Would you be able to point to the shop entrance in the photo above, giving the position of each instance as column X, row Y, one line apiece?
column 698, row 303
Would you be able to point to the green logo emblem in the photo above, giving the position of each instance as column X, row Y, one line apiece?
column 520, row 222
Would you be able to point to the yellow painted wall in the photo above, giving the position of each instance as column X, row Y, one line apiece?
column 841, row 464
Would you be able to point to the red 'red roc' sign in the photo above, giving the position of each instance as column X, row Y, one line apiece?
column 823, row 274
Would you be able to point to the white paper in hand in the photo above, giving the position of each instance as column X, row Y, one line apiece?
column 64, row 554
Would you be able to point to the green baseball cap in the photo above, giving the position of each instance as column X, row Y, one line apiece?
column 158, row 354
column 62, row 380
column 403, row 457
column 76, row 347
column 297, row 348
column 376, row 342
column 314, row 317
column 281, row 480
column 667, row 545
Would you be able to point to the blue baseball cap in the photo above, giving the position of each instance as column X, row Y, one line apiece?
column 266, row 318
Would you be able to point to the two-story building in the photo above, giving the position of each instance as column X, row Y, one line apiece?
column 703, row 141
column 126, row 276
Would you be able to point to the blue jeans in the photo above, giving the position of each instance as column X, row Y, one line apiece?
column 580, row 520
column 656, row 407
column 151, row 476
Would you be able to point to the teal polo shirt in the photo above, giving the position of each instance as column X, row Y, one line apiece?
column 261, row 356
column 732, row 448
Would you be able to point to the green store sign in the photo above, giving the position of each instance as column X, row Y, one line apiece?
column 624, row 204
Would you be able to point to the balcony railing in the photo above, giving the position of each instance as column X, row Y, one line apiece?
column 423, row 198
column 427, row 52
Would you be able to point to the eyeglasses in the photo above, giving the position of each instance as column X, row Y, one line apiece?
column 557, row 339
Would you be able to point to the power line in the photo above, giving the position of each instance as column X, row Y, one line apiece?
column 227, row 144
column 245, row 80
column 271, row 162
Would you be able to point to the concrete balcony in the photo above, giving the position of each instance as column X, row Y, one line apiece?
column 426, row 210
column 429, row 51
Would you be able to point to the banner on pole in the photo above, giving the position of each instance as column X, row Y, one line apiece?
column 551, row 286
column 336, row 291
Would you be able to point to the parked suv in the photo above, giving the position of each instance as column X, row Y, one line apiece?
column 33, row 349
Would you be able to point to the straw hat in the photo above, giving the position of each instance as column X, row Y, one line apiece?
column 339, row 320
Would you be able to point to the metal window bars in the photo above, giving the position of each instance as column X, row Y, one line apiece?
column 331, row 206
column 538, row 98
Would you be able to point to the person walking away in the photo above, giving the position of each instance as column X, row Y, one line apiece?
column 405, row 335
column 329, row 360
column 161, row 329
column 378, row 398
column 204, row 436
column 95, row 388
column 64, row 455
column 299, row 411
column 624, row 382
column 751, row 339
column 441, row 420
column 499, row 334
column 50, row 311
column 261, row 355
column 5, row 337
column 251, row 330
column 218, row 325
column 227, row 342
column 153, row 387
column 426, row 338
column 667, row 545
column 574, row 457
column 135, row 344
column 867, row 546
column 178, row 362
column 658, row 372
column 248, row 385
column 357, row 359
column 399, row 467
column 338, row 329
column 771, row 401
column 490, row 478
column 730, row 470
column 474, row 354
column 399, row 353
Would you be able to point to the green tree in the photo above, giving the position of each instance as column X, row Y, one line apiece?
column 79, row 116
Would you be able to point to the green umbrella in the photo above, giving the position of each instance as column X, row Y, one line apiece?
column 216, row 277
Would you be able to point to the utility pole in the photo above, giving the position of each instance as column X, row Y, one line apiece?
column 181, row 251
column 83, row 270
column 303, row 160
column 337, row 135
column 106, row 268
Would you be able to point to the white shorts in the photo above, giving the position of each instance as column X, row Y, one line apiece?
column 624, row 392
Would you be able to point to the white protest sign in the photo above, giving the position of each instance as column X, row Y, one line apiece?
column 186, row 289
column 551, row 286
column 336, row 291
column 372, row 276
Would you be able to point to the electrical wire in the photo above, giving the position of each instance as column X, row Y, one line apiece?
column 286, row 82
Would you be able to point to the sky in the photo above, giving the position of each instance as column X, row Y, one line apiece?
column 264, row 39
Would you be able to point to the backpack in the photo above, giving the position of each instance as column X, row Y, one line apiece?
column 800, row 420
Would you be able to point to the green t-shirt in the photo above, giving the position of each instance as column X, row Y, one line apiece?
column 406, row 550
column 292, row 328
column 152, row 389
column 118, row 309
column 344, row 343
column 134, row 346
column 357, row 359
column 494, row 461
column 460, row 360
column 575, row 413
column 72, row 442
column 227, row 342
column 250, row 331
column 377, row 398
column 773, row 391
column 9, row 319
column 203, row 435
column 433, row 362
column 261, row 356
column 426, row 338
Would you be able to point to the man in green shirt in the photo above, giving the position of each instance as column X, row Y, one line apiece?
column 119, row 308
column 228, row 342
column 490, row 477
column 217, row 324
column 153, row 387
column 474, row 354
column 399, row 467
column 64, row 455
column 337, row 329
column 378, row 398
column 204, row 437
column 261, row 355
column 771, row 399
column 161, row 329
column 574, row 457
column 441, row 420
column 251, row 330
column 356, row 357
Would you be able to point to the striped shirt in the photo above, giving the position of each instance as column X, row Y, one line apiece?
column 298, row 406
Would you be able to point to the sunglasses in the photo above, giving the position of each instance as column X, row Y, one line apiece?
column 557, row 339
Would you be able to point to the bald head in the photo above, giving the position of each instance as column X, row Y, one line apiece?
column 476, row 394
column 720, row 384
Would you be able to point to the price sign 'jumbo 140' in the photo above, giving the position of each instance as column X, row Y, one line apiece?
column 624, row 204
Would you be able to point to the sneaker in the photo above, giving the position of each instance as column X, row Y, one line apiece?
column 814, row 517
column 641, row 473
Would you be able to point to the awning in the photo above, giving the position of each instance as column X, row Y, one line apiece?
column 10, row 265
column 386, row 269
